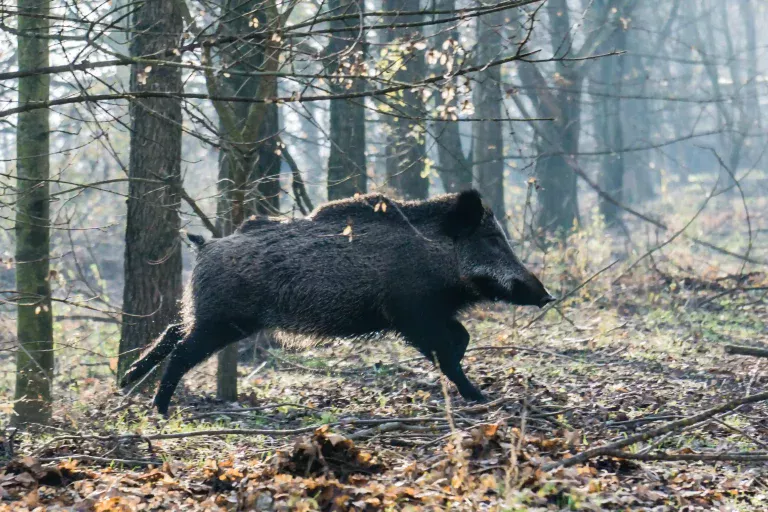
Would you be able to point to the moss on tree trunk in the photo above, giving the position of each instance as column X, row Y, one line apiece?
column 34, row 362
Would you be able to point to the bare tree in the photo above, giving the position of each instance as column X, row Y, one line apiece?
column 346, row 55
column 249, row 163
column 557, row 143
column 405, row 127
column 454, row 168
column 34, row 327
column 487, row 133
column 608, row 79
column 152, row 248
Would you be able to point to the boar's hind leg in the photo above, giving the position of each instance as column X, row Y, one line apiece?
column 200, row 344
column 447, row 341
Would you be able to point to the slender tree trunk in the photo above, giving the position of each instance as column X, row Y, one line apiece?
column 152, row 249
column 34, row 328
column 249, row 166
column 347, row 172
column 558, row 200
column 638, row 185
column 313, row 137
column 609, row 118
column 405, row 146
column 226, row 363
column 752, row 102
column 488, row 135
column 454, row 168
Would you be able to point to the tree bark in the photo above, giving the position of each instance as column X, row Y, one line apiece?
column 558, row 200
column 347, row 174
column 152, row 249
column 558, row 142
column 249, row 165
column 488, row 135
column 405, row 127
column 34, row 328
column 609, row 119
column 454, row 168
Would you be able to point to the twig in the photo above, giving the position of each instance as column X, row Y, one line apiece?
column 532, row 350
column 740, row 432
column 561, row 299
column 299, row 189
column 210, row 226
column 667, row 427
column 92, row 318
column 731, row 291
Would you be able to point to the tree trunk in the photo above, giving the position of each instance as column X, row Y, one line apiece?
column 405, row 127
column 638, row 183
column 454, row 168
column 249, row 166
column 488, row 136
column 558, row 200
column 313, row 139
column 609, row 120
column 34, row 328
column 152, row 249
column 752, row 103
column 347, row 174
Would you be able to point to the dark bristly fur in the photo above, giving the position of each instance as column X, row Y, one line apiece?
column 407, row 267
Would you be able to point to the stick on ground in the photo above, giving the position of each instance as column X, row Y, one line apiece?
column 613, row 448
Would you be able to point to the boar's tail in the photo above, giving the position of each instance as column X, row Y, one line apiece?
column 158, row 351
column 198, row 240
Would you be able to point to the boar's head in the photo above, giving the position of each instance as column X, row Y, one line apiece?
column 485, row 256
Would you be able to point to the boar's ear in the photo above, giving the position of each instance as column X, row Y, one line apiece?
column 465, row 214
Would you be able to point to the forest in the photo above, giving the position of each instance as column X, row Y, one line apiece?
column 249, row 249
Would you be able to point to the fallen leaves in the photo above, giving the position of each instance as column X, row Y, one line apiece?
column 327, row 453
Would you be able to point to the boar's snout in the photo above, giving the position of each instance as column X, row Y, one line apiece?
column 531, row 292
column 546, row 300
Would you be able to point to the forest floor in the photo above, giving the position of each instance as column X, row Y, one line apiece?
column 369, row 425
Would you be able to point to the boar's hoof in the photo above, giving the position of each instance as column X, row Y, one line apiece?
column 161, row 408
column 474, row 395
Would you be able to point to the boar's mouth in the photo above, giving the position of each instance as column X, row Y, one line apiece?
column 491, row 289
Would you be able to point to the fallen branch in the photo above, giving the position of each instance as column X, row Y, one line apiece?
column 743, row 350
column 107, row 460
column 667, row 427
column 243, row 431
column 700, row 457
column 390, row 427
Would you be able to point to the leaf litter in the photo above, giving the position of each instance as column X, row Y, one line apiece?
column 367, row 425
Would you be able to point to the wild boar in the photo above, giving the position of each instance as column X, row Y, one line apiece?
column 353, row 267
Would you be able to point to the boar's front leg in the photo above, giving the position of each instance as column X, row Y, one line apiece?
column 446, row 340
